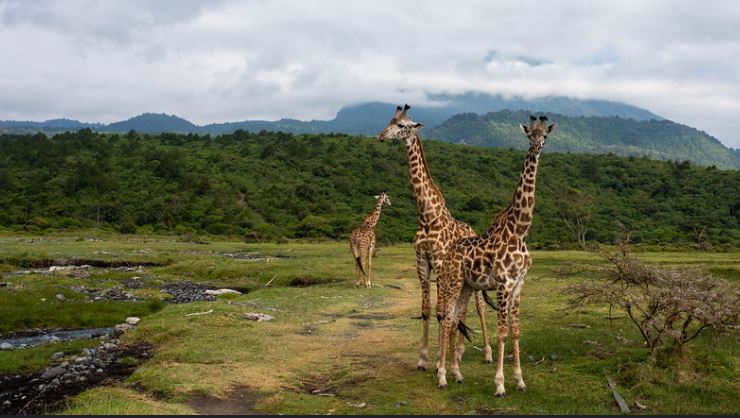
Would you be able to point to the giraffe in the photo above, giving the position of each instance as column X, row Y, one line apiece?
column 437, row 228
column 496, row 260
column 362, row 240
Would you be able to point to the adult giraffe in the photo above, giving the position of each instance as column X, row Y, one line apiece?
column 497, row 260
column 437, row 228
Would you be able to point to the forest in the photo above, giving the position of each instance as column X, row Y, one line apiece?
column 268, row 186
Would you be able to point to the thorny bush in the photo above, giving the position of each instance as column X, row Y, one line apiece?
column 669, row 306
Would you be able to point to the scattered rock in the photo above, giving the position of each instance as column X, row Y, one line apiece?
column 132, row 320
column 640, row 406
column 554, row 356
column 357, row 405
column 183, row 292
column 109, row 346
column 217, row 292
column 7, row 403
column 53, row 372
column 121, row 328
column 259, row 317
column 60, row 296
column 6, row 346
column 57, row 356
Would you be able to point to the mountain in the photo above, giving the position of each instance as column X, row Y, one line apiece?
column 588, row 126
column 656, row 139
column 153, row 123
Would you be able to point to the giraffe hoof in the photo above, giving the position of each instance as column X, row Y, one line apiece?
column 460, row 381
column 421, row 368
column 487, row 361
column 500, row 395
column 442, row 386
column 521, row 388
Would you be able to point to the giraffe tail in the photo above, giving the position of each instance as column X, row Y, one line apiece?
column 464, row 330
column 488, row 300
column 359, row 264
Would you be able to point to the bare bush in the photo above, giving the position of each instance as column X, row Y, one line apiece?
column 669, row 306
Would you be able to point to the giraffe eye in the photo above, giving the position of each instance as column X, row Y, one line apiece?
column 400, row 125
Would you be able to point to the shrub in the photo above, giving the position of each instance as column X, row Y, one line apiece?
column 669, row 306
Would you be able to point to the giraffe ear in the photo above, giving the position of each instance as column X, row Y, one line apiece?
column 418, row 125
column 377, row 197
column 524, row 129
column 550, row 128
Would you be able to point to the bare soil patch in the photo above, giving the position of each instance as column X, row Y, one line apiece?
column 239, row 401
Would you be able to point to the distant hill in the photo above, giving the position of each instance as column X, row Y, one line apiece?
column 656, row 139
column 588, row 126
column 361, row 119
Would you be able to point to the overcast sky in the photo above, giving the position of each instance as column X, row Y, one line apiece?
column 215, row 61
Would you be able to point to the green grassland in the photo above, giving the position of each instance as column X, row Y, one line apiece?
column 332, row 347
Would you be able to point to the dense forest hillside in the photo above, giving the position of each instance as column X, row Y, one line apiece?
column 268, row 185
column 658, row 139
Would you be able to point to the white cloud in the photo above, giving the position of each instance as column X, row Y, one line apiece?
column 221, row 61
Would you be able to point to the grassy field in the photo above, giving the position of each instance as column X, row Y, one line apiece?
column 336, row 349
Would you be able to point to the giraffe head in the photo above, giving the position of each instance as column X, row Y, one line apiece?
column 383, row 198
column 537, row 133
column 400, row 127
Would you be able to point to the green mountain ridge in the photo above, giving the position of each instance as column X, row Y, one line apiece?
column 656, row 139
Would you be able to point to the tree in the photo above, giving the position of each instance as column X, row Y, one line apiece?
column 575, row 211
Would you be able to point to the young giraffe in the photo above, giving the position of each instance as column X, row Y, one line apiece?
column 497, row 260
column 437, row 228
column 362, row 240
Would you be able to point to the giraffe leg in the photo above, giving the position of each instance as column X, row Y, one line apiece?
column 450, row 277
column 423, row 271
column 462, row 302
column 368, row 282
column 354, row 262
column 515, row 297
column 501, row 332
column 460, row 343
column 480, row 306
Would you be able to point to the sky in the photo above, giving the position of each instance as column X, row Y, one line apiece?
column 217, row 61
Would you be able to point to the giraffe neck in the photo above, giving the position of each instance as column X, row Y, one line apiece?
column 517, row 217
column 429, row 200
column 372, row 219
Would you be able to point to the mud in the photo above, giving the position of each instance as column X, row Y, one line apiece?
column 239, row 401
column 307, row 281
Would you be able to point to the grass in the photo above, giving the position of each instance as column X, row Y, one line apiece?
column 321, row 337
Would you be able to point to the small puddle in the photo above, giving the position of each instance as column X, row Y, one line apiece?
column 27, row 339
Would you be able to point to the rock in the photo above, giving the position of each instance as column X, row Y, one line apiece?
column 109, row 346
column 53, row 372
column 6, row 403
column 216, row 292
column 357, row 405
column 6, row 346
column 259, row 317
column 54, row 339
column 65, row 364
column 55, row 382
column 57, row 356
column 60, row 296
column 132, row 320
column 554, row 356
column 41, row 387
column 121, row 328
column 640, row 406
column 82, row 359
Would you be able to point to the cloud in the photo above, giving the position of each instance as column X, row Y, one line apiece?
column 228, row 60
